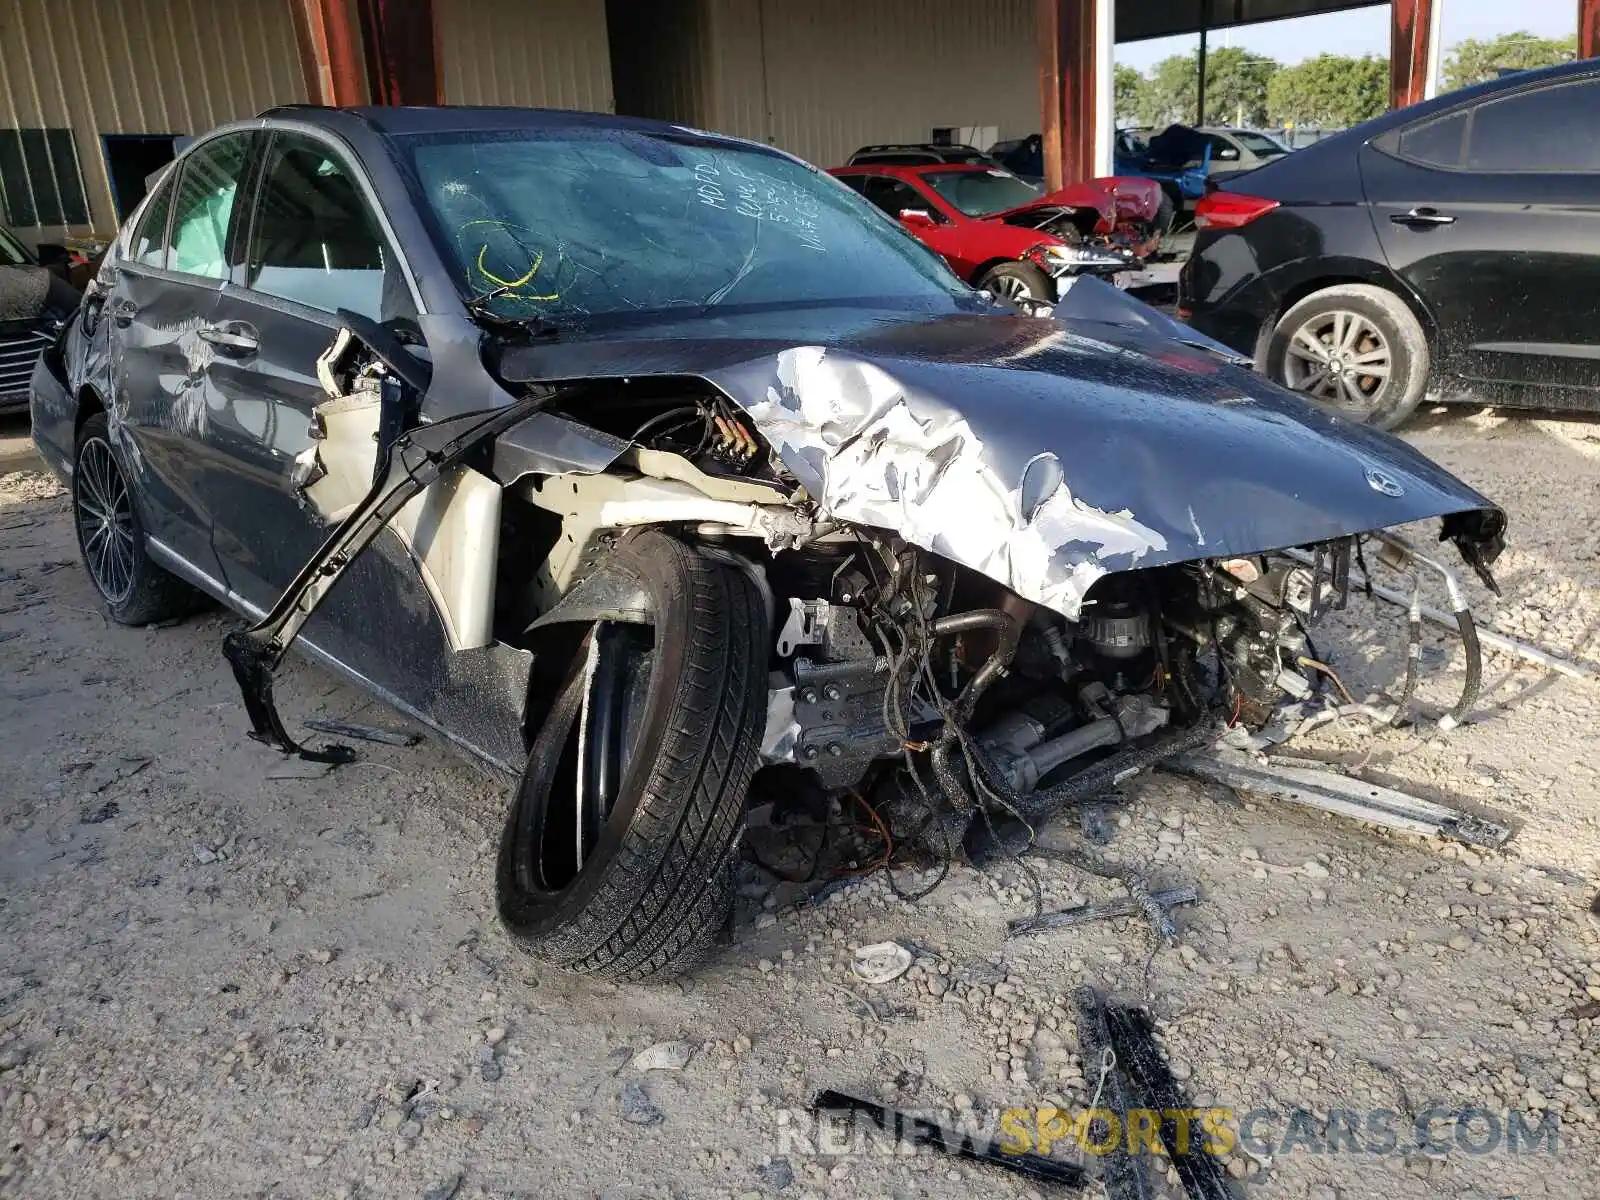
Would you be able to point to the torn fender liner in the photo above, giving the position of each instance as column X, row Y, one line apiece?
column 918, row 1131
column 416, row 460
column 1044, row 453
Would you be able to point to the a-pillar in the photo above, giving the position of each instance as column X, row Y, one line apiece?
column 1077, row 114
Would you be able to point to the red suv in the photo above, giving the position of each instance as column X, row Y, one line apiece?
column 998, row 232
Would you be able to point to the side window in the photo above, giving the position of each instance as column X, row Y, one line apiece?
column 206, row 190
column 314, row 240
column 891, row 195
column 150, row 242
column 1551, row 129
column 1435, row 143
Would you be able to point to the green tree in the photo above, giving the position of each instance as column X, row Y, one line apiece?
column 1169, row 92
column 1236, row 88
column 1332, row 90
column 1474, row 60
column 1129, row 86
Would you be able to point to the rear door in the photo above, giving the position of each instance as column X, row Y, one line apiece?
column 313, row 246
column 159, row 312
column 1492, row 213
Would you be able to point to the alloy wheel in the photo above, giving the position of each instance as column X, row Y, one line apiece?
column 1009, row 287
column 1339, row 358
column 104, row 514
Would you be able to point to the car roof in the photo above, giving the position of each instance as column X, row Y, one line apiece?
column 401, row 121
column 933, row 168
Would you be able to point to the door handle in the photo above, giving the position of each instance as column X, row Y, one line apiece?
column 1419, row 217
column 233, row 338
column 123, row 313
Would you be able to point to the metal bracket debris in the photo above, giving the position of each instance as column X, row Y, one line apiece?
column 1332, row 792
column 1083, row 913
column 919, row 1131
column 415, row 461
column 366, row 733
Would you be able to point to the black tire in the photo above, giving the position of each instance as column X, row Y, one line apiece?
column 1016, row 281
column 1383, row 333
column 1166, row 213
column 657, row 885
column 133, row 587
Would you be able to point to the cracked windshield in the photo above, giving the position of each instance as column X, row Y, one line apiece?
column 579, row 225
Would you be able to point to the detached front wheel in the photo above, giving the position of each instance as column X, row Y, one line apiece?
column 617, row 856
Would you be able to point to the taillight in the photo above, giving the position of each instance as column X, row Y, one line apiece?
column 1230, row 210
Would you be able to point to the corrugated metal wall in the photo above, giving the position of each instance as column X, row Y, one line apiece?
column 824, row 77
column 845, row 73
column 541, row 53
column 140, row 66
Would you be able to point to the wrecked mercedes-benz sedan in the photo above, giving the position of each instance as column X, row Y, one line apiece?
column 634, row 459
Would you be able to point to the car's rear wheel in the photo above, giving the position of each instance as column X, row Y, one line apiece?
column 136, row 591
column 1016, row 281
column 618, row 852
column 1353, row 348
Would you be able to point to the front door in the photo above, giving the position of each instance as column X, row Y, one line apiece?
column 312, row 248
column 1492, row 213
column 159, row 311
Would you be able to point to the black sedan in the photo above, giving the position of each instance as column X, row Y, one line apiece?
column 1456, row 240
column 34, row 304
column 632, row 458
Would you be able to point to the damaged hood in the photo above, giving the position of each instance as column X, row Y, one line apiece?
column 1044, row 453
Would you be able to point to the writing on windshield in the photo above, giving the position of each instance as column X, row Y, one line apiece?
column 574, row 222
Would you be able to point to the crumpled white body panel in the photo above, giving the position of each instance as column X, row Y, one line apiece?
column 928, row 480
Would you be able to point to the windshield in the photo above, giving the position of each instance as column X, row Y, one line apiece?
column 1260, row 144
column 570, row 223
column 979, row 193
column 11, row 252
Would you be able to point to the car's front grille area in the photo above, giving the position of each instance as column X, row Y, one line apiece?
column 20, row 347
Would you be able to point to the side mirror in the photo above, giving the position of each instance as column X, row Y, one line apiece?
column 1228, row 154
column 916, row 218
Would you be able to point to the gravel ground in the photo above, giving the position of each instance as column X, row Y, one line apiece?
column 224, row 974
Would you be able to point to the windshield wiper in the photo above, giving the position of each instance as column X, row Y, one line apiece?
column 530, row 325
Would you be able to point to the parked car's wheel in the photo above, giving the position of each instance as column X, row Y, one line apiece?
column 617, row 856
column 1355, row 348
column 135, row 589
column 1018, row 281
column 1166, row 213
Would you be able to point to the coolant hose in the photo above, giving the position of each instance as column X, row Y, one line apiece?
column 1469, row 689
column 1010, row 633
column 1413, row 653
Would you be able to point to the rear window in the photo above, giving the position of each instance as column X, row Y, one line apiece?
column 1549, row 129
column 1552, row 129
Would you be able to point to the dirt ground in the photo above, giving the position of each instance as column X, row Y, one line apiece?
column 224, row 974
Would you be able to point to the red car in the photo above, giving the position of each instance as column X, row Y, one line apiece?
column 999, row 233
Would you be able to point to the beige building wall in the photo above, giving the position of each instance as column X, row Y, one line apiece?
column 140, row 66
column 535, row 53
column 823, row 77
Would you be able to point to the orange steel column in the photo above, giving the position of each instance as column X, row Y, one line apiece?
column 1589, row 28
column 402, row 51
column 1409, row 24
column 1066, row 89
column 330, row 48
